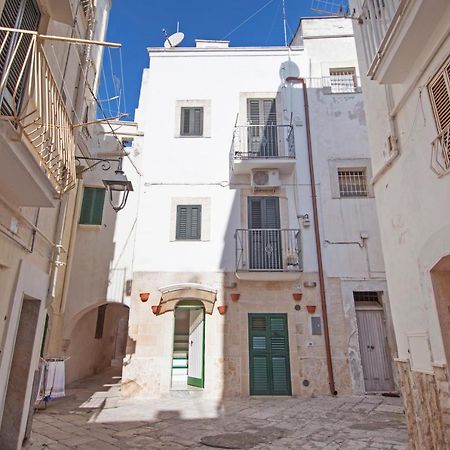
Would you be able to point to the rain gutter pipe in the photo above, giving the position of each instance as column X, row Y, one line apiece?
column 295, row 80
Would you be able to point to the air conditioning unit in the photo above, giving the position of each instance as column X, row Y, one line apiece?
column 265, row 179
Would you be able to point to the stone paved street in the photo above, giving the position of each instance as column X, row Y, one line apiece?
column 92, row 416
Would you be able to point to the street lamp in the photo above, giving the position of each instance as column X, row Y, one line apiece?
column 118, row 188
column 117, row 185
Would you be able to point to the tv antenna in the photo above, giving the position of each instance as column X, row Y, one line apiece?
column 175, row 39
column 338, row 8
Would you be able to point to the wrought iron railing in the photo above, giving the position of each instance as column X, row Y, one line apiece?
column 378, row 19
column 440, row 153
column 268, row 250
column 263, row 141
column 31, row 100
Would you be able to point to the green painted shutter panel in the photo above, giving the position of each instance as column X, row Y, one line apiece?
column 189, row 219
column 269, row 363
column 185, row 120
column 92, row 206
column 197, row 122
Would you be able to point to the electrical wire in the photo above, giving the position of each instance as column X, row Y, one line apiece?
column 247, row 19
column 123, row 82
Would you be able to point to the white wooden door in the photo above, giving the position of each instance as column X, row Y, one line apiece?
column 375, row 357
column 196, row 347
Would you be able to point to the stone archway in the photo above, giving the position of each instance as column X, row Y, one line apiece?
column 97, row 340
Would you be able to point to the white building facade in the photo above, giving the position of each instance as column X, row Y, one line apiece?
column 243, row 301
column 406, row 86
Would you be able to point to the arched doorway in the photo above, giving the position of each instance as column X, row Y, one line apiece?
column 440, row 277
column 188, row 358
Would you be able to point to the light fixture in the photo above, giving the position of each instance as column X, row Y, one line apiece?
column 118, row 187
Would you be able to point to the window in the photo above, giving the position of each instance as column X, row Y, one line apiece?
column 92, row 206
column 352, row 182
column 191, row 122
column 343, row 80
column 367, row 298
column 100, row 321
column 189, row 219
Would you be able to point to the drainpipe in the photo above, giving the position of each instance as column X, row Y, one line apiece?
column 323, row 301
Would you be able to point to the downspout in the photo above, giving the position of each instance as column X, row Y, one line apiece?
column 317, row 235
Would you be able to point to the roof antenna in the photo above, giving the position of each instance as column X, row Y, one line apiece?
column 284, row 23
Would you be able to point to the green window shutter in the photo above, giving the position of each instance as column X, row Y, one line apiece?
column 191, row 122
column 92, row 206
column 189, row 220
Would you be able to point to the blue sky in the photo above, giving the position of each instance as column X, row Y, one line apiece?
column 137, row 24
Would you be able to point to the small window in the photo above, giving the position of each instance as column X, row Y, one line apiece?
column 352, row 182
column 191, row 122
column 343, row 80
column 367, row 298
column 92, row 206
column 189, row 219
column 100, row 321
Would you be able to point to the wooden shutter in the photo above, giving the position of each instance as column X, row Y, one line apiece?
column 23, row 15
column 92, row 206
column 191, row 122
column 261, row 111
column 269, row 355
column 189, row 220
column 264, row 212
column 439, row 90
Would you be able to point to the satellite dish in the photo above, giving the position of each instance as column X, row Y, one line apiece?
column 174, row 40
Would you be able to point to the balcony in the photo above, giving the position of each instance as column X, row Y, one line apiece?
column 271, row 254
column 393, row 36
column 36, row 133
column 440, row 147
column 262, row 147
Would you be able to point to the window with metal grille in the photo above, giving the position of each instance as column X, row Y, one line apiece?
column 189, row 220
column 343, row 80
column 352, row 182
column 191, row 122
column 366, row 296
column 92, row 206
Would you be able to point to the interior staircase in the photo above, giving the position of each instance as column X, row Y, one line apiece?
column 180, row 361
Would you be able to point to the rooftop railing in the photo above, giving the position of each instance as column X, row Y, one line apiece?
column 32, row 102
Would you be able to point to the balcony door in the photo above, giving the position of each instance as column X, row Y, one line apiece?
column 265, row 251
column 24, row 15
column 262, row 130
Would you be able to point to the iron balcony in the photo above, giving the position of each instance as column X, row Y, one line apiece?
column 268, row 250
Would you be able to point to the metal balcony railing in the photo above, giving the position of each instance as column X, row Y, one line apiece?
column 440, row 148
column 263, row 141
column 268, row 250
column 31, row 100
column 378, row 19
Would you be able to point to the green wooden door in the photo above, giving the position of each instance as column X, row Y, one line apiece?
column 269, row 354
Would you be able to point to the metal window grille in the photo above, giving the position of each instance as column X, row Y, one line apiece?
column 352, row 182
column 366, row 296
column 343, row 80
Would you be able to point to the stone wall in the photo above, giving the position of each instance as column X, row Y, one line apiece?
column 427, row 407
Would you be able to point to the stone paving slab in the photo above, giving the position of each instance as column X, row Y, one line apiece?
column 93, row 417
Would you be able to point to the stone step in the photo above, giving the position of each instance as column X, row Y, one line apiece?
column 180, row 362
column 179, row 371
column 180, row 354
